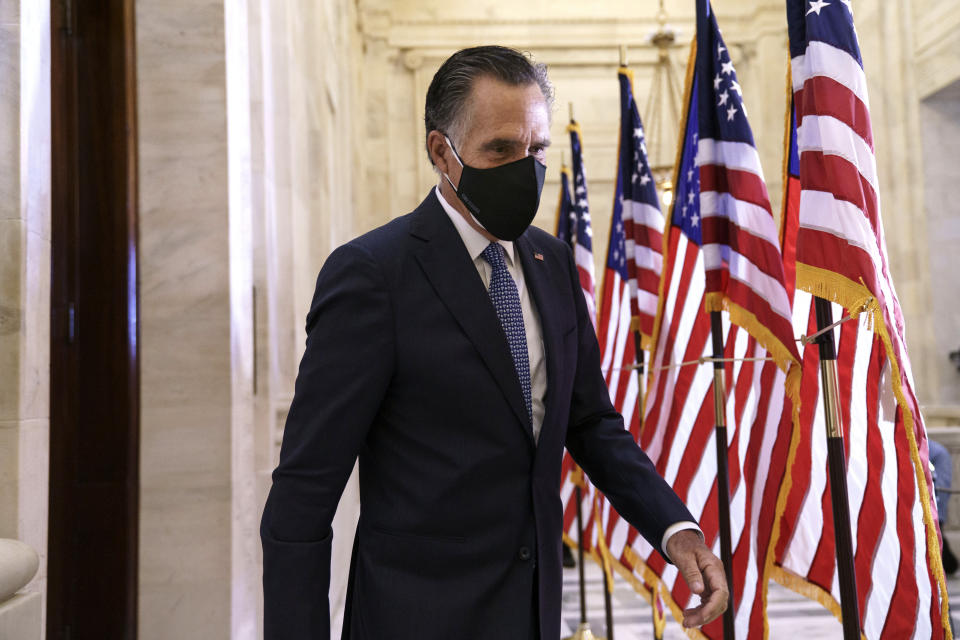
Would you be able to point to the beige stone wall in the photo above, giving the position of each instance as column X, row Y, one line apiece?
column 936, row 69
column 185, row 470
column 246, row 132
column 940, row 117
column 24, row 275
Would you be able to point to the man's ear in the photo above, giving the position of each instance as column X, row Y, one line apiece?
column 439, row 151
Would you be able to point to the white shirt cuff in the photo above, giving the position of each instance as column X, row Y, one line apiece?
column 677, row 528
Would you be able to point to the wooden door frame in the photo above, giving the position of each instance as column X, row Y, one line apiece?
column 94, row 332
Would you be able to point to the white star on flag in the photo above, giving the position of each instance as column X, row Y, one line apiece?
column 638, row 133
column 730, row 112
column 816, row 6
column 689, row 174
column 694, row 220
column 690, row 197
column 727, row 67
column 720, row 49
column 736, row 87
column 716, row 82
column 644, row 179
column 723, row 98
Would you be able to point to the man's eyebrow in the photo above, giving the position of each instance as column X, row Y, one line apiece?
column 497, row 143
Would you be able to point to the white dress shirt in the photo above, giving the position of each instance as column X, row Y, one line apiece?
column 475, row 243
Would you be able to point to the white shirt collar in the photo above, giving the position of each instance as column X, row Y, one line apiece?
column 473, row 240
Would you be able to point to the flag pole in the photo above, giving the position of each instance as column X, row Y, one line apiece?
column 836, row 461
column 639, row 357
column 723, row 474
column 608, row 602
column 583, row 631
column 607, row 584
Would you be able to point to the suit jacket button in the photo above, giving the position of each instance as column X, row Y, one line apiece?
column 525, row 553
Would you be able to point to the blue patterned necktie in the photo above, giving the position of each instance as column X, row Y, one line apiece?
column 506, row 301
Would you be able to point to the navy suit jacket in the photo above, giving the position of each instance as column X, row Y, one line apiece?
column 407, row 367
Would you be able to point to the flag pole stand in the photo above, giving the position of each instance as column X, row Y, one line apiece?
column 723, row 474
column 836, row 461
column 583, row 631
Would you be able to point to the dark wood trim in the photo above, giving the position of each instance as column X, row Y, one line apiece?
column 94, row 337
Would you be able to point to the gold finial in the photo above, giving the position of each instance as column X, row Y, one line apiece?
column 623, row 55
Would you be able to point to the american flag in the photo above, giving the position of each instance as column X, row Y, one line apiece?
column 841, row 255
column 741, row 246
column 566, row 226
column 583, row 238
column 678, row 432
column 635, row 201
column 617, row 308
column 573, row 227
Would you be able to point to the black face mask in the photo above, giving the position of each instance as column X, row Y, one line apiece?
column 503, row 199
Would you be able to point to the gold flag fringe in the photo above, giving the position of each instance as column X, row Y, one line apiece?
column 781, row 355
column 857, row 298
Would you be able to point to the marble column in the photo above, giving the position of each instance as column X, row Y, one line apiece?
column 185, row 306
column 886, row 42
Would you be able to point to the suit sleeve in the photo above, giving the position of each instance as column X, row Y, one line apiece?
column 343, row 376
column 599, row 443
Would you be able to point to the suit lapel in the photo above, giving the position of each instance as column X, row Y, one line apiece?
column 454, row 277
column 539, row 279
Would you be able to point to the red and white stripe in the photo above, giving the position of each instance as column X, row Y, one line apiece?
column 896, row 591
column 583, row 258
column 741, row 246
column 678, row 435
column 892, row 513
column 617, row 349
column 643, row 228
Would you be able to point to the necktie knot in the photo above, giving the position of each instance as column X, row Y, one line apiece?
column 493, row 254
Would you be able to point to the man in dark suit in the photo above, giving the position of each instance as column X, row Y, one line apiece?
column 451, row 351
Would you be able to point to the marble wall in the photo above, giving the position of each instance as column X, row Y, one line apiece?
column 941, row 134
column 185, row 348
column 24, row 275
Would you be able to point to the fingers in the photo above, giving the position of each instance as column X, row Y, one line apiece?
column 687, row 565
column 714, row 575
column 710, row 608
column 713, row 597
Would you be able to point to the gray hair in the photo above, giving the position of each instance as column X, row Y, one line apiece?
column 453, row 81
